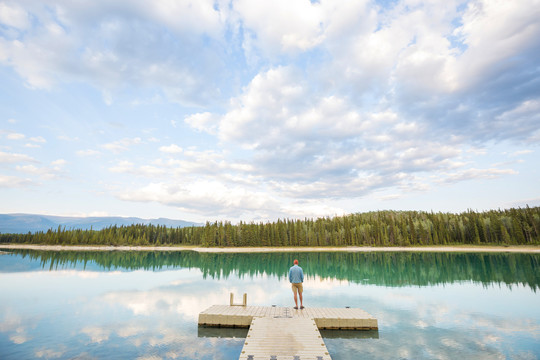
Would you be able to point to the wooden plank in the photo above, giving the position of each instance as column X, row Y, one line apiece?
column 284, row 338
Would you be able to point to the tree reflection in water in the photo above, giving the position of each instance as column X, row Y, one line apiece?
column 377, row 268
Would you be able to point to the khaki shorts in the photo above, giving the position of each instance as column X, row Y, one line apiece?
column 297, row 288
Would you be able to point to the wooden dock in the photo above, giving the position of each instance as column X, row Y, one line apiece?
column 325, row 318
column 284, row 338
column 283, row 333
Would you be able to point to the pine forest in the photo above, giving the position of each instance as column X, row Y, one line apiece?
column 381, row 228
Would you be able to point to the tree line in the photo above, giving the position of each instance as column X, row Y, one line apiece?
column 519, row 226
column 377, row 268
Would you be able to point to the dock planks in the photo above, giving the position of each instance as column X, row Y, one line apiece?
column 284, row 333
column 284, row 339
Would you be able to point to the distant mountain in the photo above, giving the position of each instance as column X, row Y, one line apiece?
column 23, row 223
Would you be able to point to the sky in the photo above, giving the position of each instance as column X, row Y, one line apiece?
column 264, row 110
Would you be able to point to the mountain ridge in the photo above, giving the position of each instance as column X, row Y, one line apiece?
column 19, row 223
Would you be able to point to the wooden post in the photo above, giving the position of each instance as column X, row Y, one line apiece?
column 244, row 302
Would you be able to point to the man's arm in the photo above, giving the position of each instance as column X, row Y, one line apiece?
column 290, row 275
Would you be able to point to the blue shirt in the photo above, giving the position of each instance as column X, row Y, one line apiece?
column 296, row 275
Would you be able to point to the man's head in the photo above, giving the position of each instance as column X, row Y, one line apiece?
column 295, row 262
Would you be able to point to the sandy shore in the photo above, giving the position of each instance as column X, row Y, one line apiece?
column 512, row 249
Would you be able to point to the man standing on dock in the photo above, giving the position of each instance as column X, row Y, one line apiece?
column 296, row 278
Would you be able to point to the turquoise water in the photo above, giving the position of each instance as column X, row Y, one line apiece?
column 144, row 305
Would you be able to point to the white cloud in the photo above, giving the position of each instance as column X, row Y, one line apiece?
column 493, row 31
column 190, row 166
column 122, row 145
column 171, row 149
column 127, row 167
column 278, row 108
column 197, row 17
column 14, row 158
column 305, row 104
column 522, row 121
column 30, row 169
column 122, row 167
column 201, row 163
column 13, row 15
column 35, row 141
column 282, row 25
column 202, row 122
column 42, row 172
column 15, row 136
column 303, row 144
column 64, row 44
column 13, row 182
column 205, row 196
column 59, row 162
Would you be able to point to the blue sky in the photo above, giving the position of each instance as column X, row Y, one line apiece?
column 259, row 110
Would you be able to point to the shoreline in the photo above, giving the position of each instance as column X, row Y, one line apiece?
column 443, row 248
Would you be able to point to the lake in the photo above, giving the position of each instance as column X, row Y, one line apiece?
column 145, row 304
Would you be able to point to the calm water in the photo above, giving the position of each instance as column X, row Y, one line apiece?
column 144, row 305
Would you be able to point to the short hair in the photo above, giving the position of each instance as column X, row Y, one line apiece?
column 295, row 262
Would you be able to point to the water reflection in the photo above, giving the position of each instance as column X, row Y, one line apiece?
column 102, row 305
column 384, row 268
column 137, row 314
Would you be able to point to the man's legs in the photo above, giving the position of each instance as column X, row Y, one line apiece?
column 298, row 288
column 295, row 291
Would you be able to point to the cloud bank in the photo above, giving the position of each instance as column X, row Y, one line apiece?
column 290, row 108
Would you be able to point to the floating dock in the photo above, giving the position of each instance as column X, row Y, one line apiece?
column 325, row 318
column 284, row 333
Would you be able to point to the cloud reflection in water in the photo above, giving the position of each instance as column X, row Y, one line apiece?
column 152, row 313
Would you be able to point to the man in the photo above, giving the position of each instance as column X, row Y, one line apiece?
column 296, row 278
